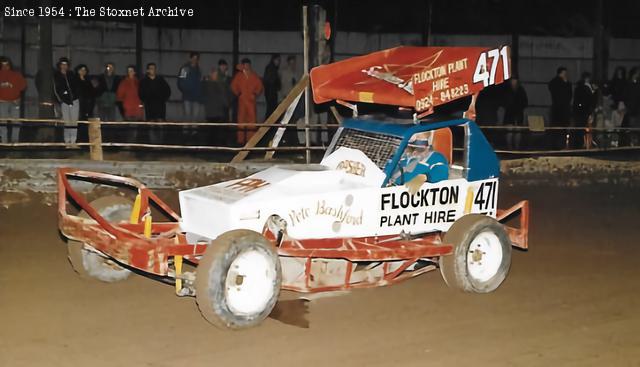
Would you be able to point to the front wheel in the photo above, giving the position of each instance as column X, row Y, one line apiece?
column 481, row 254
column 89, row 264
column 238, row 280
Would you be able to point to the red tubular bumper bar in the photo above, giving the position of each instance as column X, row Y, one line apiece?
column 519, row 236
column 123, row 241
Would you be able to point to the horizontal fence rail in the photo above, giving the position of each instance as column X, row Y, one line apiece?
column 597, row 139
column 58, row 122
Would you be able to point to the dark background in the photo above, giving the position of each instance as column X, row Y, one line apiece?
column 544, row 17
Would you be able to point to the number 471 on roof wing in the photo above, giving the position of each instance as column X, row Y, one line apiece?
column 482, row 73
column 452, row 77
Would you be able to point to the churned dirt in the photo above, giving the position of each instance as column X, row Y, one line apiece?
column 571, row 300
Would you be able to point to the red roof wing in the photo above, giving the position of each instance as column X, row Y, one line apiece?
column 417, row 77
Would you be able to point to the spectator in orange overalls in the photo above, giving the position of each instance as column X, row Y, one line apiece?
column 246, row 84
column 128, row 95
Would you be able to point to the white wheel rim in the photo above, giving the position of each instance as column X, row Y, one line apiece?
column 484, row 256
column 249, row 283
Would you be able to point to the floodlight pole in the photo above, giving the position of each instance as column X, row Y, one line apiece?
column 237, row 24
column 426, row 31
column 305, row 31
column 45, row 57
column 599, row 59
column 139, row 25
column 23, row 59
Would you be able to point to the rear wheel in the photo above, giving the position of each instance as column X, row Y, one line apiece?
column 481, row 254
column 238, row 280
column 90, row 264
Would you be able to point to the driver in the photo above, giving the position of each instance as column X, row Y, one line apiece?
column 420, row 163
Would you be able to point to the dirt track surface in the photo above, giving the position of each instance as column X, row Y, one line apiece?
column 571, row 300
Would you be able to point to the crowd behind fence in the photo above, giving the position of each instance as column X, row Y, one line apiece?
column 596, row 116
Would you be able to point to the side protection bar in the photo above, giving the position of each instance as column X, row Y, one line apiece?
column 519, row 236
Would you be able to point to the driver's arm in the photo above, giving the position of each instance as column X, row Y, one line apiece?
column 434, row 168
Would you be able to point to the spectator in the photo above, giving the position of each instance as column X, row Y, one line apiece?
column 614, row 91
column 65, row 86
column 617, row 118
column 12, row 83
column 107, row 88
column 86, row 92
column 217, row 99
column 561, row 94
column 246, row 85
column 560, row 89
column 584, row 103
column 223, row 72
column 127, row 94
column 272, row 86
column 487, row 105
column 616, row 85
column 223, row 76
column 189, row 84
column 87, row 97
column 631, row 99
column 515, row 102
column 154, row 94
column 288, row 79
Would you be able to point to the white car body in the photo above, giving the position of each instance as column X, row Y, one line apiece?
column 340, row 198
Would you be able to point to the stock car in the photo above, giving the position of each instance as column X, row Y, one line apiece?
column 390, row 200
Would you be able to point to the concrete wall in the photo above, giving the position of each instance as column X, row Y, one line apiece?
column 94, row 43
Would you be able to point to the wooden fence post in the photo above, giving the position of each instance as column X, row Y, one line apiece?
column 95, row 139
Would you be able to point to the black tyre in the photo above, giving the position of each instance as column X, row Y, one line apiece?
column 238, row 280
column 481, row 254
column 90, row 264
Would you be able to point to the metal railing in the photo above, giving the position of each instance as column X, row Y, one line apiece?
column 596, row 139
column 564, row 139
column 96, row 143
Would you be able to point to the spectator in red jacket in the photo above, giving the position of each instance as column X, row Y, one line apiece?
column 127, row 94
column 12, row 84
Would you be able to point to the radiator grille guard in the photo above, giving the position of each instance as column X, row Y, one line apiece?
column 378, row 147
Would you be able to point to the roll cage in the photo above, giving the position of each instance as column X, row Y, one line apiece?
column 479, row 160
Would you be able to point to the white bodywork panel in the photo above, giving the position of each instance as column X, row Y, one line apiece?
column 341, row 198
